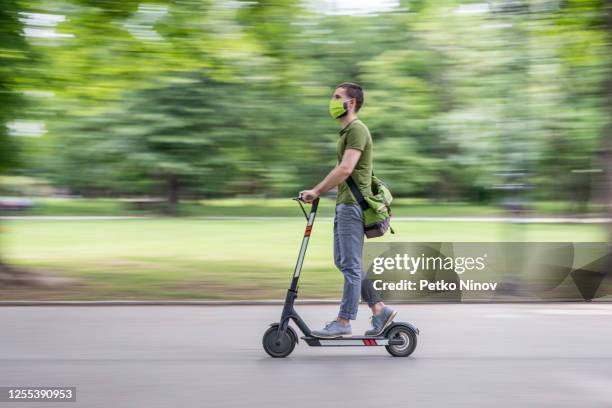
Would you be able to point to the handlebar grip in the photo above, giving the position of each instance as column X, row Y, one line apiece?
column 315, row 204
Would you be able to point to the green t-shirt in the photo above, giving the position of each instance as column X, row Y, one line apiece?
column 356, row 135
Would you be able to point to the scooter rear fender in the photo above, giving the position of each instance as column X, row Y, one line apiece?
column 403, row 324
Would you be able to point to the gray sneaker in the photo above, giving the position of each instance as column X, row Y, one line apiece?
column 332, row 330
column 381, row 321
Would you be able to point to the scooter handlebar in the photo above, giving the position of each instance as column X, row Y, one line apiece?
column 314, row 203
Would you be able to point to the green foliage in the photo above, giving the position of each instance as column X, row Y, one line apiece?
column 14, row 54
column 205, row 98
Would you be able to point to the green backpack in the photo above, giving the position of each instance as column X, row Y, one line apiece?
column 376, row 208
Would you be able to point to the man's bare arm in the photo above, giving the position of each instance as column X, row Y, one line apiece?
column 336, row 176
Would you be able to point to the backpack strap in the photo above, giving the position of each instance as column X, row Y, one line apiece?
column 356, row 193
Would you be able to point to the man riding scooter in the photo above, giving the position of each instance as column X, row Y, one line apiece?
column 354, row 152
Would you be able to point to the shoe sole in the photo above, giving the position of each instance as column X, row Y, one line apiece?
column 387, row 324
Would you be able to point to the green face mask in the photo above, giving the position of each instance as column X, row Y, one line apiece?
column 336, row 108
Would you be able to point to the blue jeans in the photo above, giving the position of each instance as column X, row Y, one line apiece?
column 348, row 245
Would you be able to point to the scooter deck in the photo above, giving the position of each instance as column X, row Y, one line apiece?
column 349, row 341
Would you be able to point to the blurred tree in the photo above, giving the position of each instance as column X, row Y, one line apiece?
column 183, row 90
column 14, row 54
column 193, row 136
column 607, row 136
column 566, row 98
column 12, row 50
column 15, row 57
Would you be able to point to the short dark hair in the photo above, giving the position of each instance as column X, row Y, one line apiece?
column 353, row 91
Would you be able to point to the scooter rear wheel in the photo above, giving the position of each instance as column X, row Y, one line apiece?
column 281, row 348
column 410, row 341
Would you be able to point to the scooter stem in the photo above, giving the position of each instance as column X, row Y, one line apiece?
column 310, row 217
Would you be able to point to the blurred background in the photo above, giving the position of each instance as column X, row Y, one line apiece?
column 149, row 149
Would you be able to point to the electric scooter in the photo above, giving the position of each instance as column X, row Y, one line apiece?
column 400, row 339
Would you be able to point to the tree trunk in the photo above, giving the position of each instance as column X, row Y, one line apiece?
column 173, row 188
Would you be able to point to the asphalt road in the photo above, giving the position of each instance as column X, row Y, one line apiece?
column 188, row 356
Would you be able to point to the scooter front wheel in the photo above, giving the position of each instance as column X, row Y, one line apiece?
column 278, row 348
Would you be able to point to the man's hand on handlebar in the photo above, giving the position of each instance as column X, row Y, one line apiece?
column 308, row 196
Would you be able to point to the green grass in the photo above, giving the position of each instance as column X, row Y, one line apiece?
column 276, row 207
column 243, row 207
column 75, row 206
column 190, row 258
